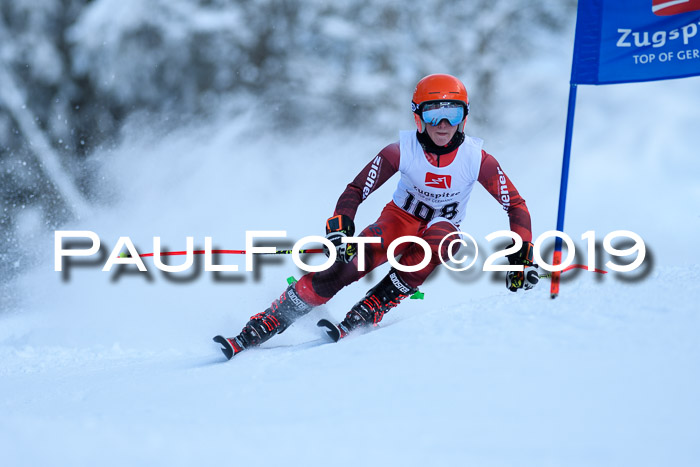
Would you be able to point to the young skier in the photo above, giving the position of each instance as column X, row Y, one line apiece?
column 439, row 165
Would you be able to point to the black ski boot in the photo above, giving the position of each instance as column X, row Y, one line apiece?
column 261, row 327
column 369, row 311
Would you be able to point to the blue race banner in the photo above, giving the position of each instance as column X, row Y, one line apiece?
column 622, row 41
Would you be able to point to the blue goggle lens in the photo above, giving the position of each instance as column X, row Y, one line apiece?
column 435, row 112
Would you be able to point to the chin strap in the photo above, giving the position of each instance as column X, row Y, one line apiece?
column 428, row 145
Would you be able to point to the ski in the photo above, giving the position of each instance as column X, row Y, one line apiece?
column 230, row 346
column 334, row 332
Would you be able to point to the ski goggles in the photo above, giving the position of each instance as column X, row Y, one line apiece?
column 435, row 112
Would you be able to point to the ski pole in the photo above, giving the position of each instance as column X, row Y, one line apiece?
column 569, row 268
column 223, row 252
column 317, row 250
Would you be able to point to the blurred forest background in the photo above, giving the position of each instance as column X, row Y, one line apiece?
column 73, row 72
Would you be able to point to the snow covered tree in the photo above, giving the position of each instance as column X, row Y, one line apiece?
column 74, row 71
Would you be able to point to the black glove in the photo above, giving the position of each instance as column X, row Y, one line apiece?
column 338, row 227
column 529, row 276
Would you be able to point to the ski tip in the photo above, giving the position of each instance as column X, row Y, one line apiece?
column 331, row 329
column 226, row 347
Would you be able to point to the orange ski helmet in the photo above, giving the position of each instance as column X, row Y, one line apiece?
column 442, row 88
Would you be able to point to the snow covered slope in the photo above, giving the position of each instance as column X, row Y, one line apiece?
column 119, row 368
column 605, row 375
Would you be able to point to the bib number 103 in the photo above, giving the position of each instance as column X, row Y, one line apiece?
column 637, row 248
